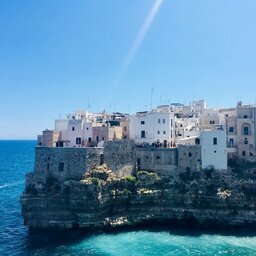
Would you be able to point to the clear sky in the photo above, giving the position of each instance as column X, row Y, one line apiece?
column 58, row 56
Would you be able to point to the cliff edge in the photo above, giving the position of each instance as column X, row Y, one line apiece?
column 102, row 199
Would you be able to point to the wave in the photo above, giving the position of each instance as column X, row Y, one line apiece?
column 11, row 184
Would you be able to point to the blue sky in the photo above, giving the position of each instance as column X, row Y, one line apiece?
column 58, row 55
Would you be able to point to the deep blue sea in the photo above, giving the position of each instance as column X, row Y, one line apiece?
column 17, row 158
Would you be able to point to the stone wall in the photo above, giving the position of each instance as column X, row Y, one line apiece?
column 189, row 157
column 120, row 156
column 164, row 161
column 66, row 163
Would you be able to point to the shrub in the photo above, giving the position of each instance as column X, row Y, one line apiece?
column 130, row 178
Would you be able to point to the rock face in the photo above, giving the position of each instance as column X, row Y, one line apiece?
column 103, row 200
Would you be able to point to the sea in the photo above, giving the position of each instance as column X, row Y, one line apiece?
column 17, row 158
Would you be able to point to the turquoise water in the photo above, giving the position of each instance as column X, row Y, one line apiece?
column 16, row 158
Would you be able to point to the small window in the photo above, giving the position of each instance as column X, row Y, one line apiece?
column 212, row 122
column 245, row 116
column 215, row 141
column 245, row 141
column 189, row 154
column 246, row 130
column 103, row 138
column 125, row 128
column 142, row 122
column 159, row 120
column 158, row 132
column 48, row 158
column 89, row 139
column 171, row 122
column 164, row 132
column 163, row 121
column 97, row 138
column 87, row 128
column 215, row 151
column 101, row 159
column 61, row 166
column 73, row 128
column 197, row 141
column 243, row 153
column 78, row 141
column 158, row 157
column 143, row 134
column 231, row 129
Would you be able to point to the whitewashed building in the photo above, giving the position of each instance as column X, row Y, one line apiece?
column 156, row 126
column 213, row 149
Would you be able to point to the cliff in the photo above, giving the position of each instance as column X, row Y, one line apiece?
column 103, row 200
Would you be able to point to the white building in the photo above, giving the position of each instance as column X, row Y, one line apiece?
column 75, row 131
column 152, row 127
column 213, row 149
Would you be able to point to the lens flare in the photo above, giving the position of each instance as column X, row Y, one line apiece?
column 138, row 40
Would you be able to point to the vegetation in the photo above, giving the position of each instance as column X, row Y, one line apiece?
column 131, row 178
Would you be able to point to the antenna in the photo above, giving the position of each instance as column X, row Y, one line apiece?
column 88, row 106
column 151, row 97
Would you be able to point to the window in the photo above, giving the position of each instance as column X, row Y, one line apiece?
column 142, row 122
column 246, row 130
column 73, row 128
column 164, row 132
column 245, row 141
column 97, row 138
column 87, row 128
column 189, row 154
column 243, row 153
column 231, row 129
column 78, row 141
column 48, row 158
column 158, row 157
column 159, row 120
column 171, row 122
column 245, row 116
column 158, row 132
column 101, row 159
column 125, row 128
column 215, row 151
column 214, row 141
column 212, row 122
column 143, row 134
column 61, row 166
column 163, row 121
column 103, row 138
column 89, row 139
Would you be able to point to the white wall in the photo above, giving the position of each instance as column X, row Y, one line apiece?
column 154, row 130
column 215, row 155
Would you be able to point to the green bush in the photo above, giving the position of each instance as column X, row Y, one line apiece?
column 130, row 178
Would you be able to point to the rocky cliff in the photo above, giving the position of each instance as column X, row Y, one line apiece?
column 103, row 200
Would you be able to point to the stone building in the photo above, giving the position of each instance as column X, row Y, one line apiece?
column 246, row 131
